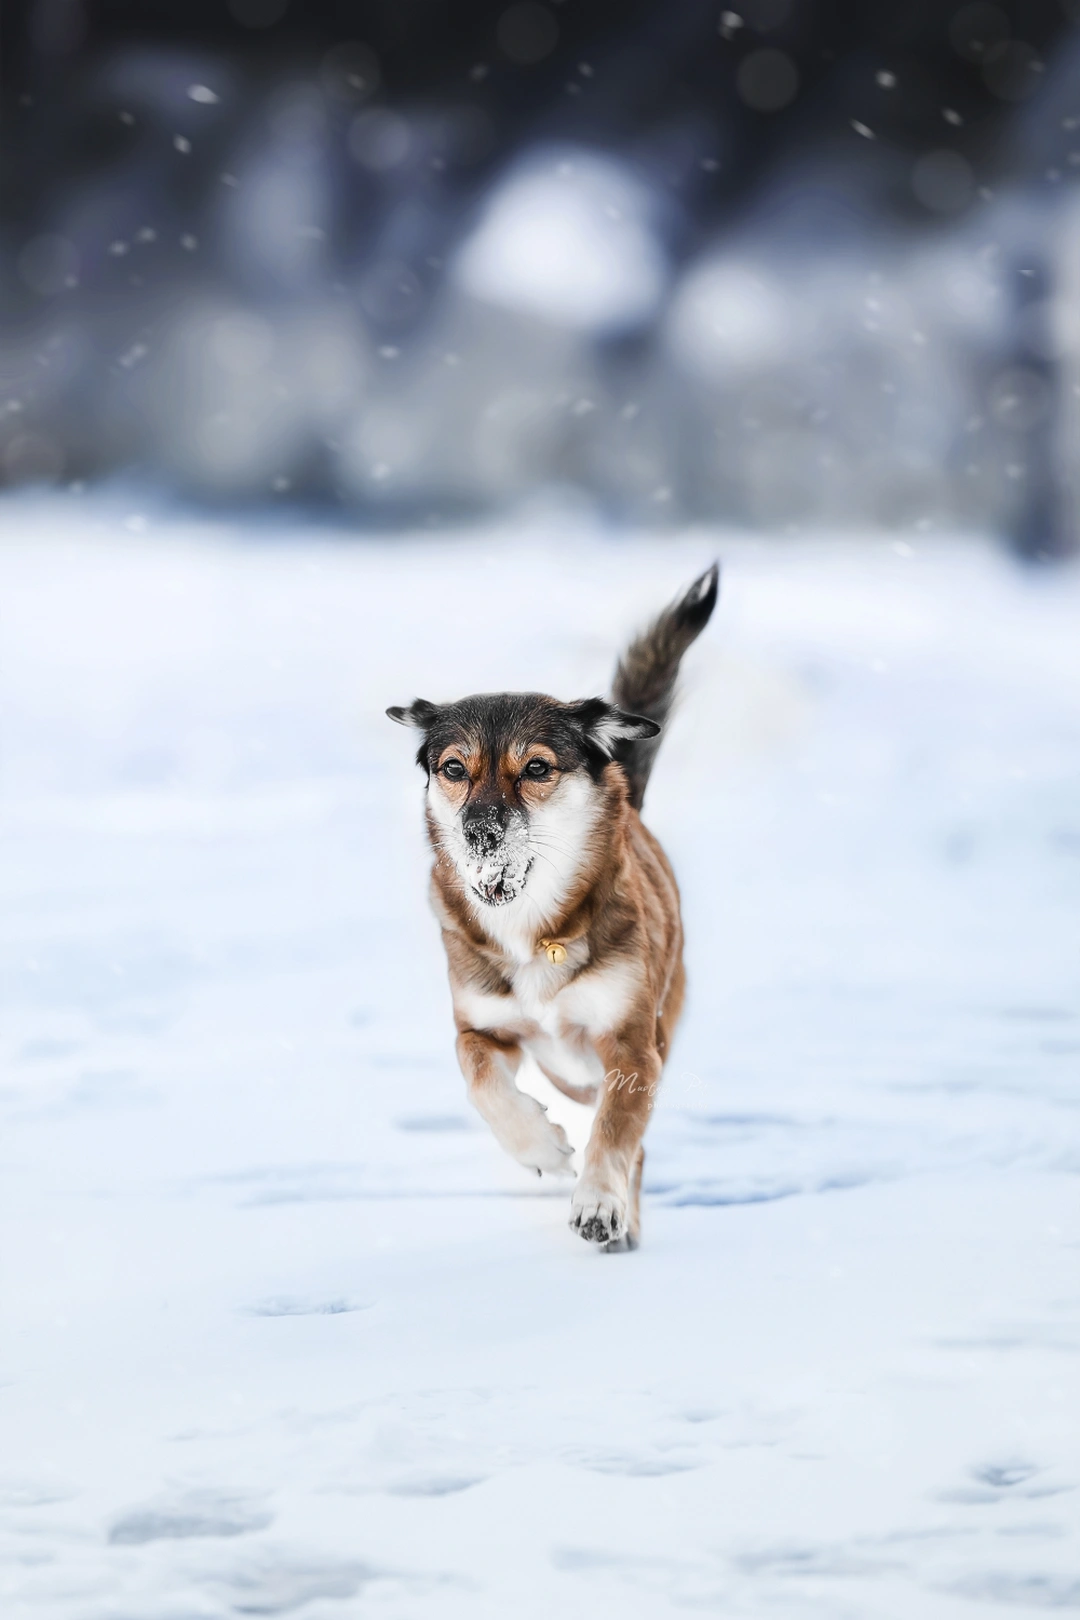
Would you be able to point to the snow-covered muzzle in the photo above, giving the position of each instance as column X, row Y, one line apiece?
column 500, row 878
column 489, row 846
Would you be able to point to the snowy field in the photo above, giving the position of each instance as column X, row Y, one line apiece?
column 284, row 1333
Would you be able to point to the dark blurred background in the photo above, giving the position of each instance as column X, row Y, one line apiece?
column 790, row 264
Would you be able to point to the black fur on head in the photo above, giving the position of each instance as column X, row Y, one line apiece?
column 582, row 734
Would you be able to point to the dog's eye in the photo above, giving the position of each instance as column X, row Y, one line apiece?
column 538, row 769
column 454, row 770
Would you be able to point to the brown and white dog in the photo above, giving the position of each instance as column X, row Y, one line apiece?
column 559, row 911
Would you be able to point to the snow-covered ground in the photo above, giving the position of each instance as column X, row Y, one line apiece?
column 282, row 1330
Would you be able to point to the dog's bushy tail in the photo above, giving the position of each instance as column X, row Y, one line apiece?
column 648, row 669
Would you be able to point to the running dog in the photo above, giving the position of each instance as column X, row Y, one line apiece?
column 559, row 911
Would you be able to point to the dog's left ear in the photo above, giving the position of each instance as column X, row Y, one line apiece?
column 420, row 713
column 604, row 725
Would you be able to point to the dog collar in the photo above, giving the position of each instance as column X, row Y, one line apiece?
column 554, row 952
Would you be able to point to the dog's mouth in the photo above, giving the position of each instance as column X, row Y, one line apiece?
column 499, row 888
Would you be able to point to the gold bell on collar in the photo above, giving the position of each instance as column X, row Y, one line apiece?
column 554, row 952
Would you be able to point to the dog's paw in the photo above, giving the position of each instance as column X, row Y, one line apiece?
column 535, row 1141
column 599, row 1215
column 551, row 1153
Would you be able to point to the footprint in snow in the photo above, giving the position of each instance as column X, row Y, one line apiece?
column 436, row 1485
column 198, row 1513
column 299, row 1305
column 280, row 1588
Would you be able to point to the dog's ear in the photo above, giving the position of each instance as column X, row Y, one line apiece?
column 420, row 713
column 604, row 725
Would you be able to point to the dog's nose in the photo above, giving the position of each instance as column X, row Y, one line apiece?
column 485, row 828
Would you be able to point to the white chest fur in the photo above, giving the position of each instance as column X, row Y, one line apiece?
column 557, row 1020
column 550, row 1001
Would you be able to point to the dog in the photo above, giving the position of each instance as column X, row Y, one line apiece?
column 559, row 910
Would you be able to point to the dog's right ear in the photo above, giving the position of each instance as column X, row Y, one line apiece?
column 420, row 713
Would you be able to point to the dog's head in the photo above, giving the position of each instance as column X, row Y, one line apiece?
column 515, row 785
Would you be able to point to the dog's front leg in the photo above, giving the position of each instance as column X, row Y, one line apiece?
column 519, row 1123
column 604, row 1206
